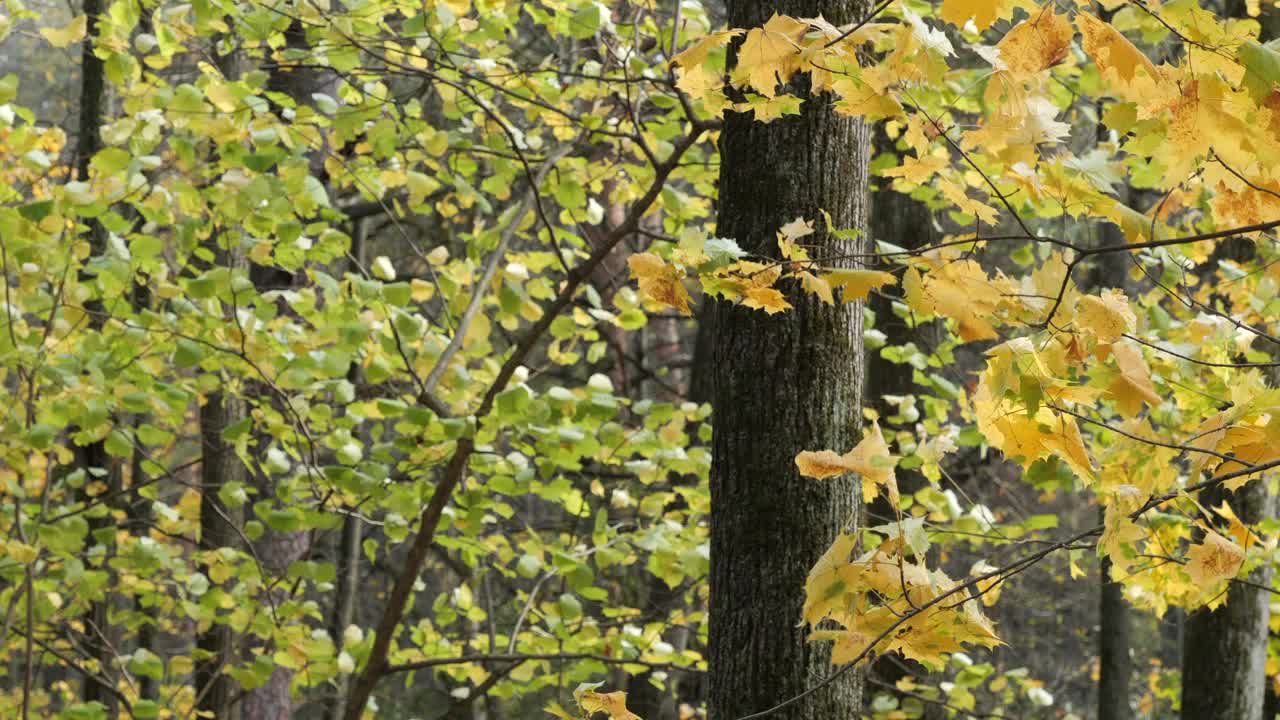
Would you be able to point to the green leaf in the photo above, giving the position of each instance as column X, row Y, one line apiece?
column 36, row 211
column 1262, row 68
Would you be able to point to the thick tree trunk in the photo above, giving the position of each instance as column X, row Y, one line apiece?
column 781, row 384
column 1224, row 660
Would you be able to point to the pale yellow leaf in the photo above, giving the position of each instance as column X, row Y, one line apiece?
column 857, row 284
column 982, row 12
column 1111, row 51
column 766, row 298
column 72, row 32
column 613, row 704
column 1214, row 560
column 817, row 286
column 1106, row 316
column 1133, row 386
column 696, row 54
column 770, row 54
column 1036, row 44
column 659, row 282
column 822, row 464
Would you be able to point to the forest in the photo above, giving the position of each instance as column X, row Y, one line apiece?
column 639, row 359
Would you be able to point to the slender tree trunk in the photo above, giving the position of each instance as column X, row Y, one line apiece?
column 896, row 218
column 781, row 384
column 1115, row 666
column 219, row 525
column 279, row 550
column 93, row 90
column 347, row 555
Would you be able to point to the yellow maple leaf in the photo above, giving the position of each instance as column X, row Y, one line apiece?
column 1213, row 560
column 1133, row 385
column 659, row 282
column 770, row 54
column 822, row 464
column 1119, row 539
column 956, row 193
column 1008, row 428
column 696, row 54
column 824, row 589
column 861, row 99
column 1111, row 51
column 698, row 81
column 918, row 170
column 796, row 229
column 766, row 298
column 815, row 285
column 958, row 289
column 1035, row 44
column 613, row 704
column 857, row 284
column 870, row 458
column 982, row 12
column 1106, row 316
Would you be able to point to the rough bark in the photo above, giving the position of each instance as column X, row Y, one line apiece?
column 92, row 102
column 1115, row 666
column 781, row 384
column 279, row 550
column 1224, row 674
column 218, row 529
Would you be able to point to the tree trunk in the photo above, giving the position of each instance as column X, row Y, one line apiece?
column 218, row 529
column 98, row 632
column 279, row 550
column 1224, row 675
column 896, row 218
column 1114, row 663
column 1115, row 666
column 781, row 384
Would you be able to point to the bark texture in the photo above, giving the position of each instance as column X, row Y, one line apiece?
column 1224, row 661
column 219, row 524
column 1115, row 666
column 781, row 384
column 99, row 636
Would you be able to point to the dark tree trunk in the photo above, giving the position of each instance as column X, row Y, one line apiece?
column 219, row 528
column 1115, row 666
column 1224, row 660
column 781, row 384
column 898, row 219
column 279, row 550
column 97, row 621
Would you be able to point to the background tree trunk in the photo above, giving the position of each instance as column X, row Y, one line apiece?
column 1225, row 652
column 899, row 219
column 99, row 636
column 1114, row 665
column 781, row 384
column 219, row 525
